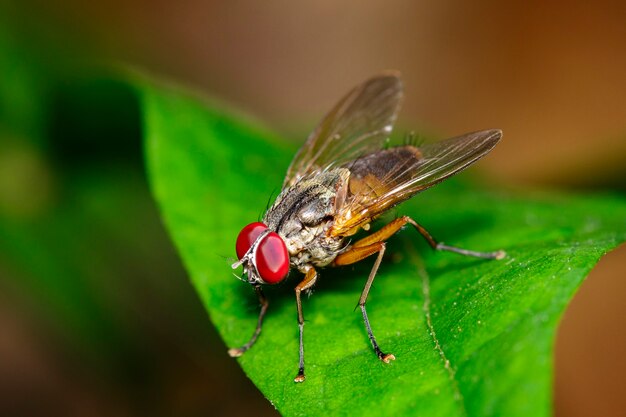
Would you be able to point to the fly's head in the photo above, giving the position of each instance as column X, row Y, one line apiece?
column 262, row 253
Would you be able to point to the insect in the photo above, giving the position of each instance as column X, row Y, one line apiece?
column 341, row 180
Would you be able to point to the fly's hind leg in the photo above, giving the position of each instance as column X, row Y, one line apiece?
column 441, row 246
column 357, row 252
column 375, row 243
column 391, row 228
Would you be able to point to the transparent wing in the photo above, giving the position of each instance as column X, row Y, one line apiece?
column 389, row 177
column 357, row 125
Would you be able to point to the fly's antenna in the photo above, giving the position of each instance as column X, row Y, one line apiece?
column 228, row 259
column 234, row 262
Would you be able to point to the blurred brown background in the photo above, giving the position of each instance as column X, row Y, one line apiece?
column 552, row 75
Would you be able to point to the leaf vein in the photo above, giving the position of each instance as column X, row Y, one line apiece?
column 458, row 397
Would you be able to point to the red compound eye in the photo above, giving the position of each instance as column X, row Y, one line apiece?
column 247, row 237
column 272, row 259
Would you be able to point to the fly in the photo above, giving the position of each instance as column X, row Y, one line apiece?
column 341, row 180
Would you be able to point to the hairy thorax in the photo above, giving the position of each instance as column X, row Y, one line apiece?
column 303, row 214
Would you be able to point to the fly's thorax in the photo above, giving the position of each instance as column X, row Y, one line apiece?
column 320, row 252
column 303, row 213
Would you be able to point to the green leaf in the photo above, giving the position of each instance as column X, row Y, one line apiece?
column 471, row 337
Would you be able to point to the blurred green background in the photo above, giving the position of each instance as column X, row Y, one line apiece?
column 97, row 316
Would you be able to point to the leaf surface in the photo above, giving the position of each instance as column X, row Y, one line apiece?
column 471, row 337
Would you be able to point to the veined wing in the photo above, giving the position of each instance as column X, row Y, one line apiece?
column 359, row 124
column 388, row 177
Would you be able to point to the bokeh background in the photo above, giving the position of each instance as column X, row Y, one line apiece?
column 97, row 316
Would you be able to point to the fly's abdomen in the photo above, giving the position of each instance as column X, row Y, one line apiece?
column 378, row 173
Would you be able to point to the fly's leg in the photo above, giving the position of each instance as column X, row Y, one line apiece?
column 441, row 246
column 375, row 243
column 236, row 352
column 307, row 283
column 357, row 252
column 388, row 230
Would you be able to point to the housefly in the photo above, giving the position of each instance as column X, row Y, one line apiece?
column 342, row 179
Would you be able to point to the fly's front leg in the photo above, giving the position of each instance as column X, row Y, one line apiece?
column 357, row 252
column 307, row 283
column 236, row 352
